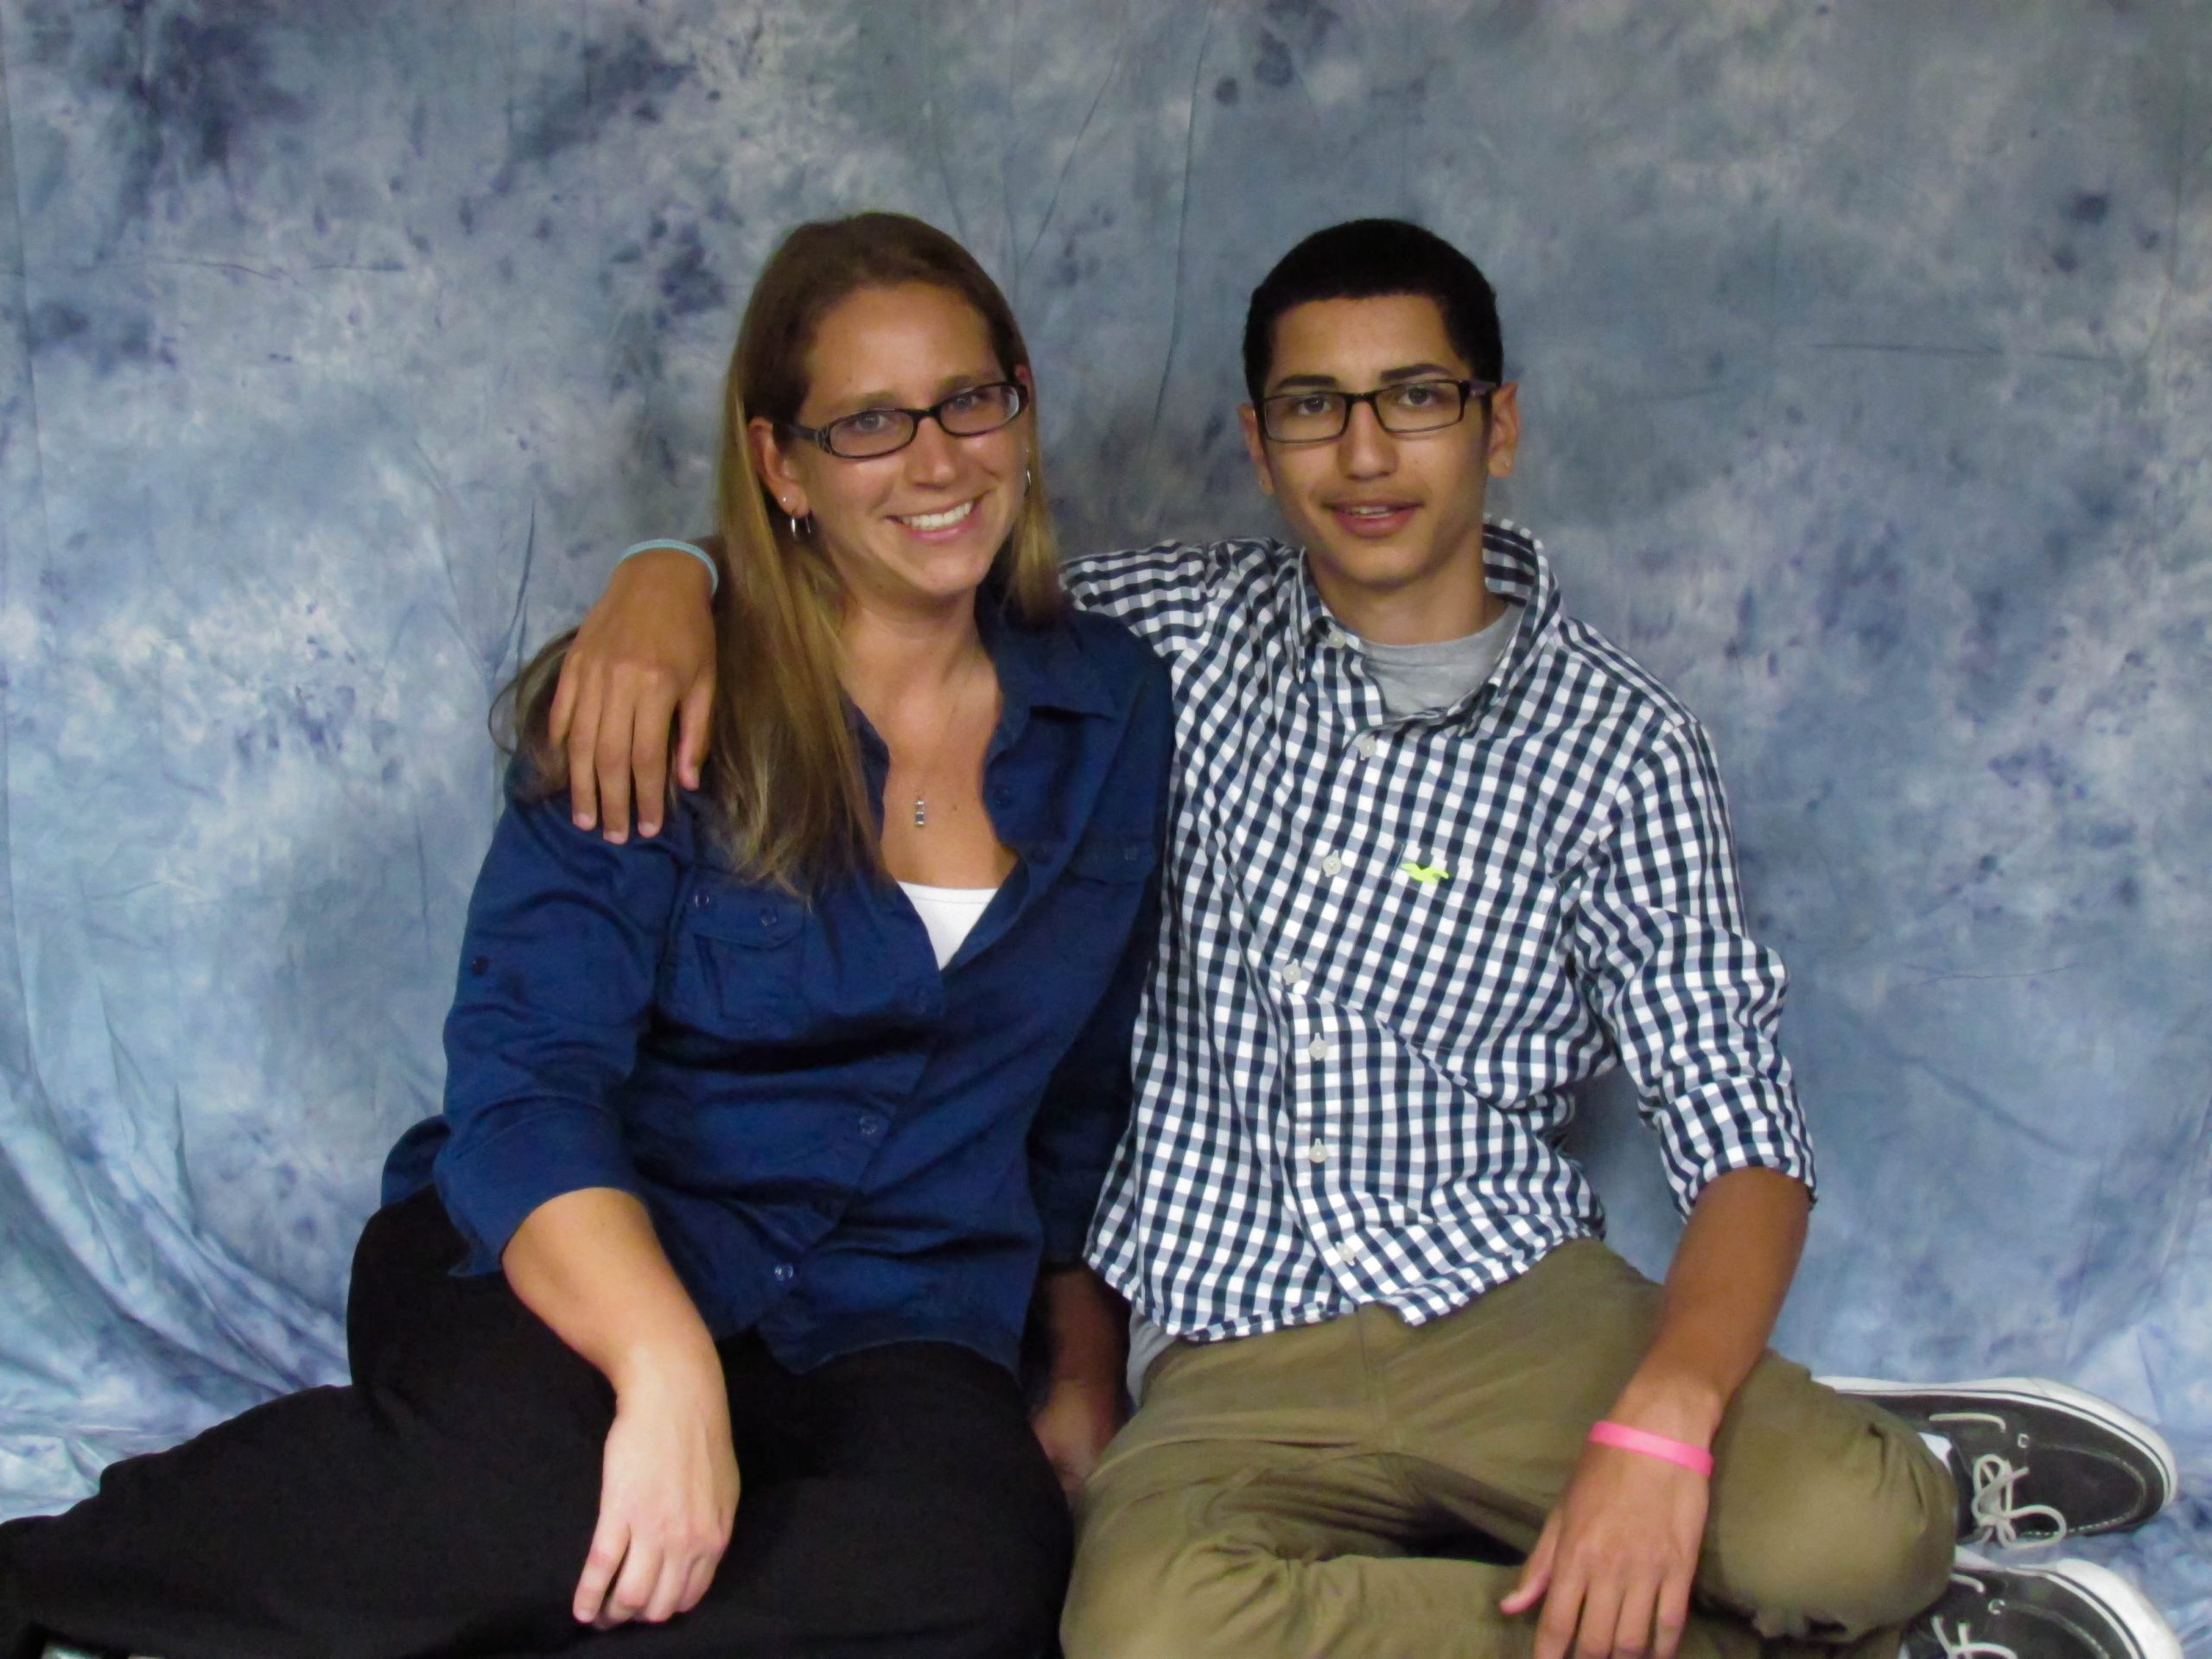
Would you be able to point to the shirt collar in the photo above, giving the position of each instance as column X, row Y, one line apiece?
column 1042, row 666
column 1516, row 570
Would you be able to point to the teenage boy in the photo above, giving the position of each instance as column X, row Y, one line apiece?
column 1441, row 853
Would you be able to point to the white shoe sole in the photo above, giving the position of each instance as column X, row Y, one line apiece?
column 2122, row 1603
column 2032, row 1391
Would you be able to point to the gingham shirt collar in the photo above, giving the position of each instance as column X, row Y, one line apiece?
column 1516, row 571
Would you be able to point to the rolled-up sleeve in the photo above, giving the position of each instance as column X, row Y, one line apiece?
column 557, row 973
column 1693, row 1002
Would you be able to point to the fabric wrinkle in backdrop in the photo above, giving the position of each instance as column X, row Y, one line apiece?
column 1864, row 353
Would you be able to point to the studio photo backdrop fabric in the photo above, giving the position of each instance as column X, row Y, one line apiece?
column 1863, row 351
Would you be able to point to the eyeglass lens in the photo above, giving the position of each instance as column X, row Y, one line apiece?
column 1415, row 406
column 968, row 414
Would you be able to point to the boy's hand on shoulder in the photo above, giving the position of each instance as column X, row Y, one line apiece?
column 643, row 657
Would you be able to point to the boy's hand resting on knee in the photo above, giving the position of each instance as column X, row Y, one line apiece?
column 1614, row 1564
column 667, row 1499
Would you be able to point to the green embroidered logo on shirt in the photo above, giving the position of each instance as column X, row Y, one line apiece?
column 1427, row 874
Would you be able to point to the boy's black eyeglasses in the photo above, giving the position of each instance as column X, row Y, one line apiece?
column 967, row 414
column 1319, row 416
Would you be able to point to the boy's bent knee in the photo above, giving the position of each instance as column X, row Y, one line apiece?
column 1836, row 1549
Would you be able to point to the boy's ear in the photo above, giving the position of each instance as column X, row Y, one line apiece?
column 1504, row 429
column 1255, row 446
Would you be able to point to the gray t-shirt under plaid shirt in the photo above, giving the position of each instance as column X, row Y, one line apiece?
column 1391, row 944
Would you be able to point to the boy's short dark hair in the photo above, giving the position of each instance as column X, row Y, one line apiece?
column 1366, row 259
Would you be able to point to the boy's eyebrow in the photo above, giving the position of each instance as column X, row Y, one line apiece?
column 1390, row 377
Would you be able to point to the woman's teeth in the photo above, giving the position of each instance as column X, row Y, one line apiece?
column 945, row 520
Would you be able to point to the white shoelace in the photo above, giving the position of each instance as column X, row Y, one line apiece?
column 1996, row 1515
column 1957, row 1641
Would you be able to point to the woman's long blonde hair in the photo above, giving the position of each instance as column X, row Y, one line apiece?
column 788, row 803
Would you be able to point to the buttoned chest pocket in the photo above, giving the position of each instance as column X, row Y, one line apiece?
column 739, row 963
column 1113, row 856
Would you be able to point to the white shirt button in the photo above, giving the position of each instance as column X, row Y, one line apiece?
column 1318, row 1048
column 1331, row 863
column 1368, row 745
column 1350, row 1255
column 1317, row 1153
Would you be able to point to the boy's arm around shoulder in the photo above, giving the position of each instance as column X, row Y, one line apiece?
column 642, row 658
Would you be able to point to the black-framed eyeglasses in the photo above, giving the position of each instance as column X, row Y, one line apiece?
column 968, row 413
column 1320, row 416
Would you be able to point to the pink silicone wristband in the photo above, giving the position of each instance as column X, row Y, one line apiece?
column 1653, row 1446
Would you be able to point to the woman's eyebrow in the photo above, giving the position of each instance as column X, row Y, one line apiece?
column 861, row 402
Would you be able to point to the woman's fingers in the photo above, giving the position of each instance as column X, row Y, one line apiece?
column 609, row 1543
column 634, row 1585
column 667, row 1598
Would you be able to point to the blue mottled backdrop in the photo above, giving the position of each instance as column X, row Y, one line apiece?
column 1864, row 350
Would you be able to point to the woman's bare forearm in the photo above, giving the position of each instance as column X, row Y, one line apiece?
column 590, row 1264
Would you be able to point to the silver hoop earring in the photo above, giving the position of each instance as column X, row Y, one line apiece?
column 1028, row 478
column 799, row 527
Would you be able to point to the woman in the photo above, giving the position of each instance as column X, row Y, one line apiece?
column 754, row 1132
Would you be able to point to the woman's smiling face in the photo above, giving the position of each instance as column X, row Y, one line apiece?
column 919, row 528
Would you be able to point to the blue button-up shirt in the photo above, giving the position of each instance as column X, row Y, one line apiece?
column 840, row 1144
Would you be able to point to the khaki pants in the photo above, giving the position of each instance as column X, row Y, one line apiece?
column 1287, row 1496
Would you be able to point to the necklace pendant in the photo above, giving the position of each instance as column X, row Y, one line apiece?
column 921, row 813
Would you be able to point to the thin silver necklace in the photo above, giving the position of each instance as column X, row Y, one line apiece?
column 921, row 802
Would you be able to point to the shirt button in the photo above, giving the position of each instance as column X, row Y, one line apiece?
column 1350, row 1255
column 1318, row 1048
column 783, row 1272
column 699, row 899
column 1317, row 1153
column 1367, row 746
column 1331, row 863
column 870, row 1127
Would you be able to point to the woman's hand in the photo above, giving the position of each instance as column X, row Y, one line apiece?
column 645, row 654
column 1079, row 1415
column 667, row 1499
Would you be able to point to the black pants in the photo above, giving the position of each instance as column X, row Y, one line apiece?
column 894, row 1502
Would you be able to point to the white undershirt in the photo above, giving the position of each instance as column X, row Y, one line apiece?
column 949, row 913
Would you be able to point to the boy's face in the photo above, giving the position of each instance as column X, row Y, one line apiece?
column 1386, row 517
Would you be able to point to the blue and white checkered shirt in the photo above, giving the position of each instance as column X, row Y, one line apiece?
column 1389, row 945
